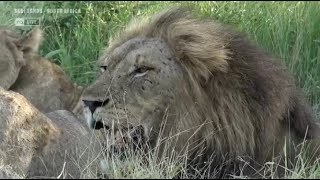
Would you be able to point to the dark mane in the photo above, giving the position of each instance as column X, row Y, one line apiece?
column 246, row 97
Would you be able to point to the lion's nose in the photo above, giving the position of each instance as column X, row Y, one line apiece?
column 93, row 105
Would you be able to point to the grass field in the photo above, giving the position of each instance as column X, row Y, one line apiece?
column 291, row 30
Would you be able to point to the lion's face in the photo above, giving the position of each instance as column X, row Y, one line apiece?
column 138, row 81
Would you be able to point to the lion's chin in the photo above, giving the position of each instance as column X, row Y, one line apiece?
column 124, row 140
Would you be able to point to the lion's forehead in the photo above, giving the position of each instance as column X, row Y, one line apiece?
column 145, row 45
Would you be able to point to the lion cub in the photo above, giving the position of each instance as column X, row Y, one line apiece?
column 42, row 82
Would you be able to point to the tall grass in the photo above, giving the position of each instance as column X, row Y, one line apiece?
column 290, row 30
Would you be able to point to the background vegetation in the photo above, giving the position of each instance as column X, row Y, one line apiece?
column 291, row 30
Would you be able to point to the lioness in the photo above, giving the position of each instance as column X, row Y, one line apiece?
column 214, row 94
column 11, row 59
column 42, row 82
column 35, row 145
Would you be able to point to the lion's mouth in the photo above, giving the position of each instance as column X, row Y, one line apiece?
column 99, row 125
column 91, row 122
column 123, row 140
column 119, row 139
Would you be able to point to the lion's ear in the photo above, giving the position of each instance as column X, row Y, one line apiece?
column 31, row 41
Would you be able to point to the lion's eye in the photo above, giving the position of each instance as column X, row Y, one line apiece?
column 141, row 71
column 103, row 68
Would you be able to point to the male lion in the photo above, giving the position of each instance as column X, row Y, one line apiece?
column 32, row 145
column 201, row 85
column 42, row 82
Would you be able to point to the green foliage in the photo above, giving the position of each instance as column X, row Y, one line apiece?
column 290, row 30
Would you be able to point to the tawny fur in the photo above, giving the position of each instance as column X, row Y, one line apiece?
column 233, row 100
column 42, row 82
column 11, row 59
column 33, row 145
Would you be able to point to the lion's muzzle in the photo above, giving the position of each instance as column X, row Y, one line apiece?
column 93, row 105
column 89, row 109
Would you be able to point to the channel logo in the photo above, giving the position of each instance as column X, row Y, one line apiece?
column 19, row 22
column 27, row 22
